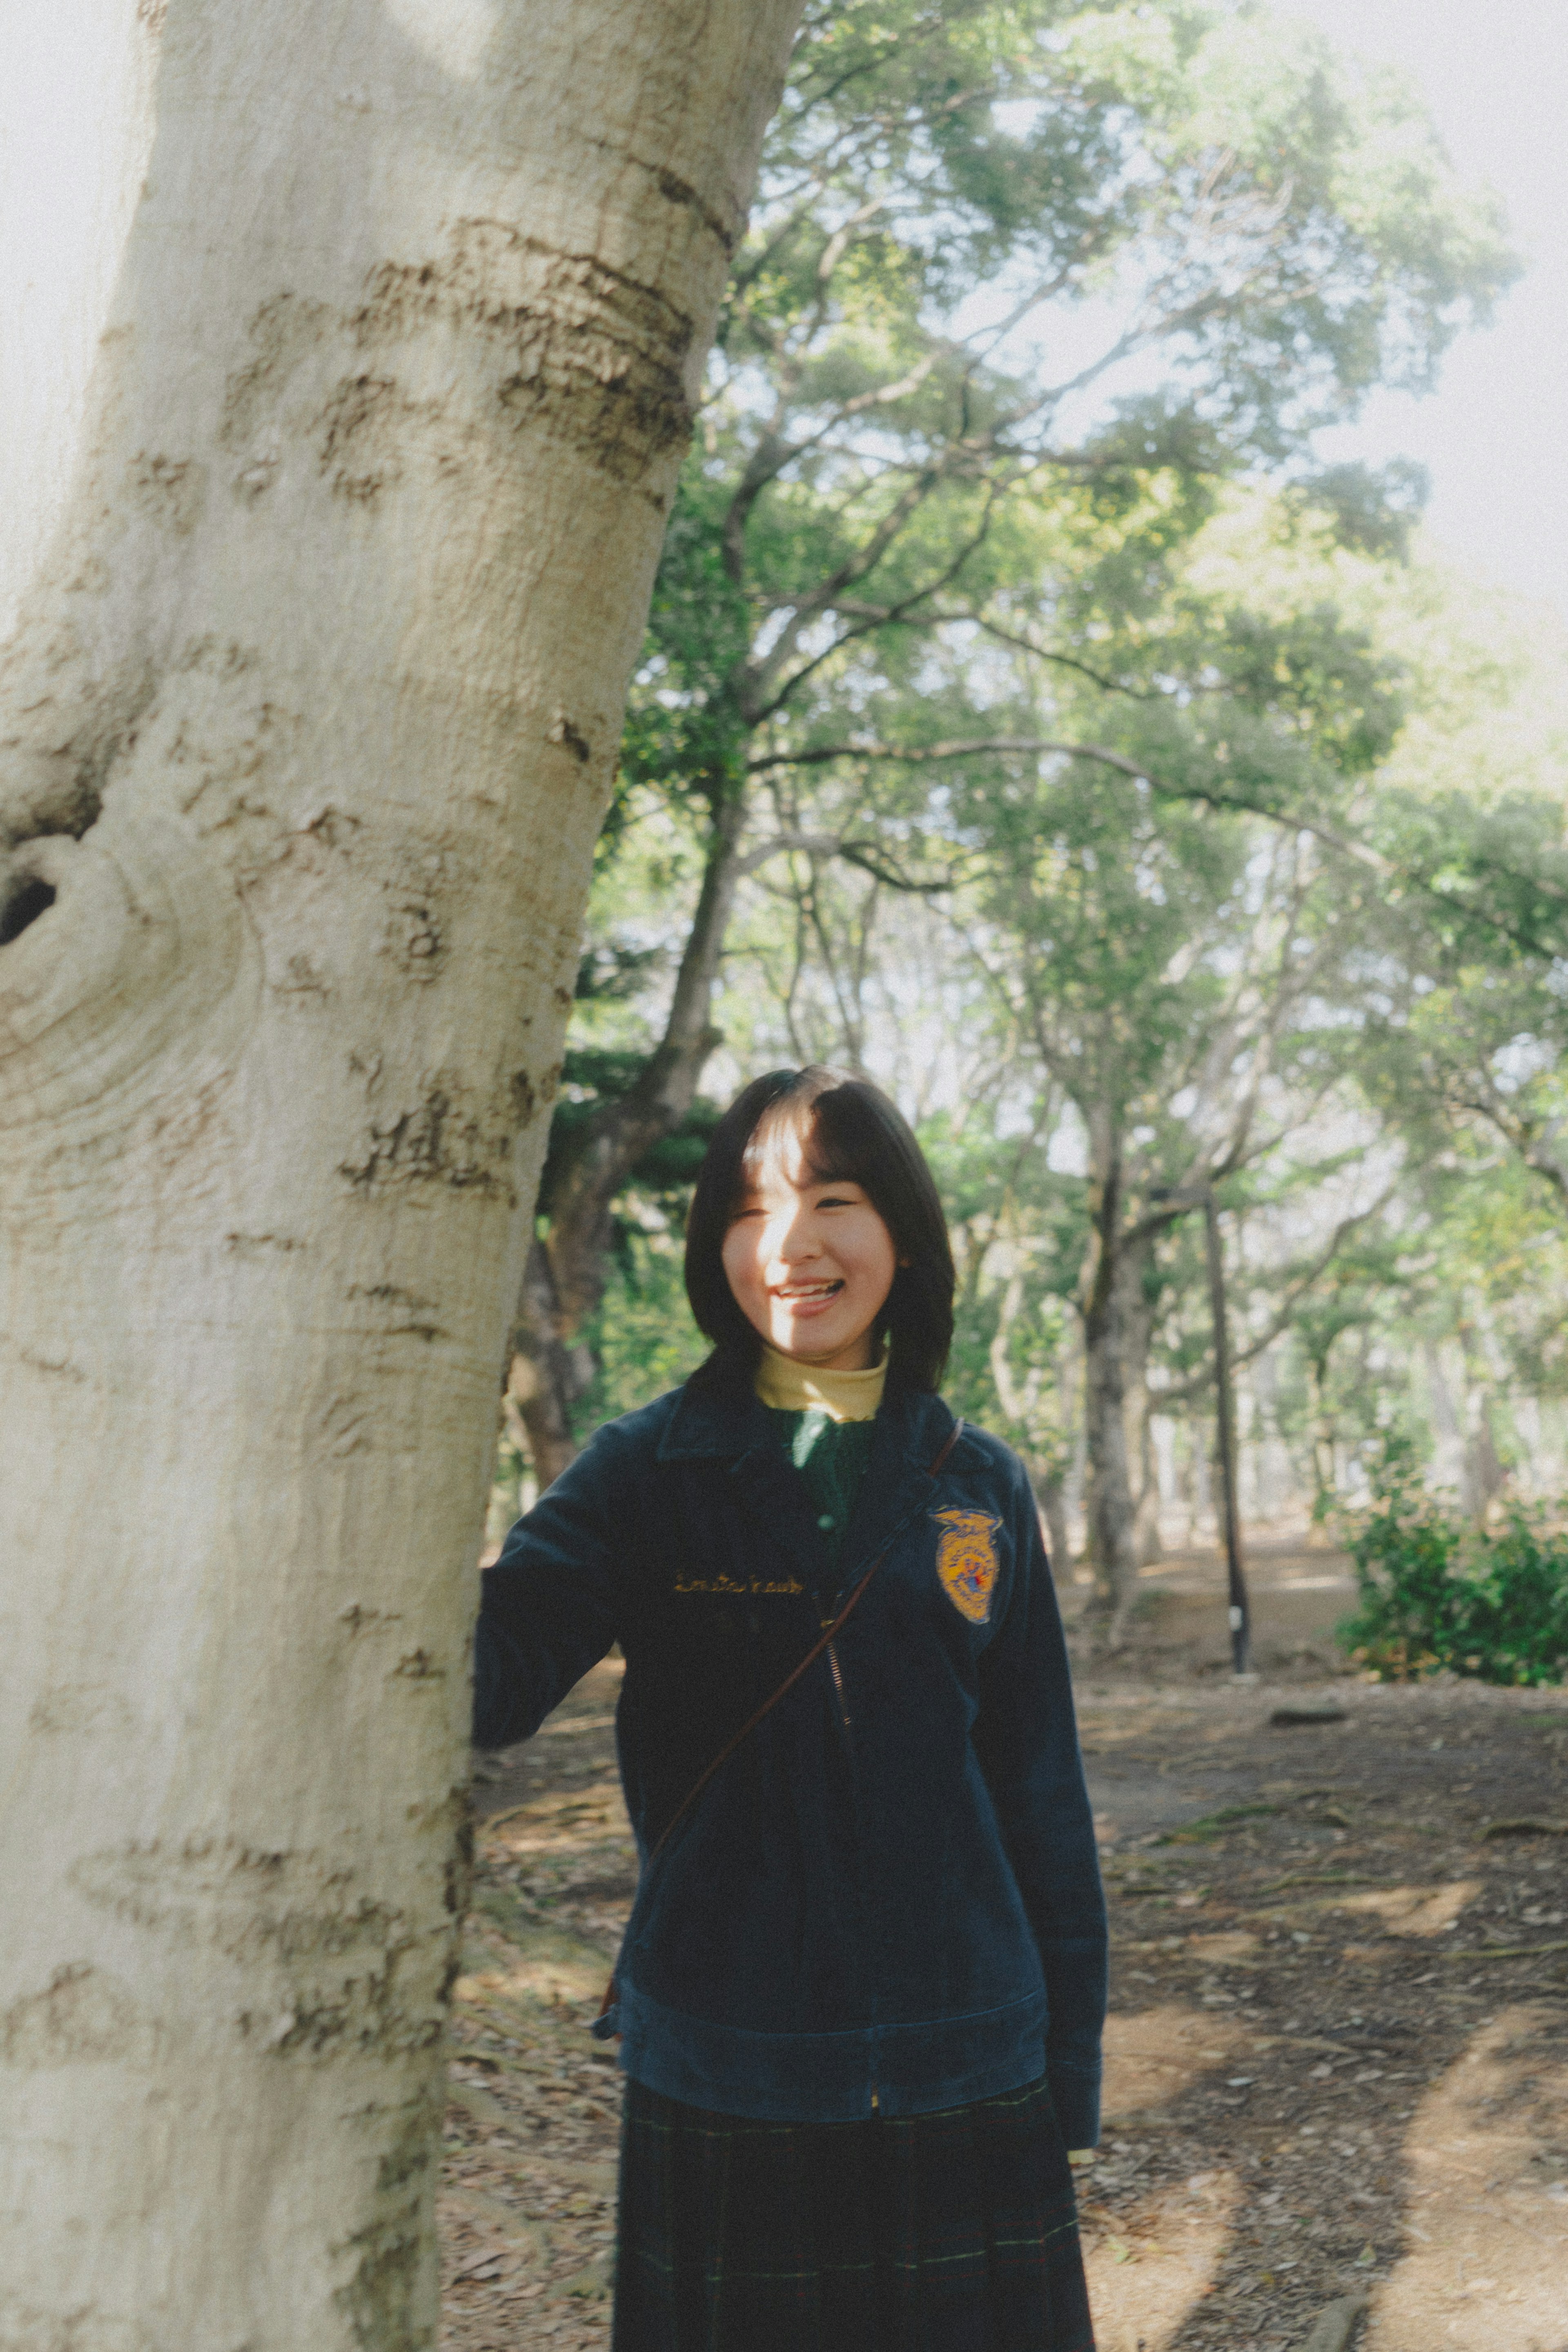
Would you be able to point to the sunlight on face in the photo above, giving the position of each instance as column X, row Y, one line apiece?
column 811, row 1266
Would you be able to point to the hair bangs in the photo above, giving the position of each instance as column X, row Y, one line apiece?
column 796, row 1135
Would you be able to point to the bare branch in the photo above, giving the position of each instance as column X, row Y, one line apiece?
column 1062, row 661
column 1184, row 1391
column 971, row 747
column 868, row 855
column 898, row 614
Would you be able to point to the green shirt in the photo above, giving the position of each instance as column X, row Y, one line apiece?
column 831, row 1458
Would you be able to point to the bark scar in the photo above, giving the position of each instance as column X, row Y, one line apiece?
column 582, row 350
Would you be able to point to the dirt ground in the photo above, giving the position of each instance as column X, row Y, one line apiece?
column 1338, row 2050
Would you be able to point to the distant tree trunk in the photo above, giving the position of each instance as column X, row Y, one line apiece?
column 1146, row 1538
column 1450, row 1436
column 1483, row 1474
column 564, row 1279
column 1486, row 1473
column 549, row 1372
column 1325, row 1456
column 1113, row 1304
column 328, row 551
column 1052, row 1489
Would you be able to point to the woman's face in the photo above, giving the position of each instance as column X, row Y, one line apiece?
column 811, row 1266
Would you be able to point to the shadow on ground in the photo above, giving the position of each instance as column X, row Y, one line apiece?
column 1338, row 2053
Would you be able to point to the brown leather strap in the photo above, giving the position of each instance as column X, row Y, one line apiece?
column 785, row 1687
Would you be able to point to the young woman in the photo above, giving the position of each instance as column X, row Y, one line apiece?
column 861, row 1994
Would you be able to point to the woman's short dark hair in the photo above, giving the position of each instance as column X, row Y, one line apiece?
column 849, row 1132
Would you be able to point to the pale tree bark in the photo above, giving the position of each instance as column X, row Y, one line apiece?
column 1052, row 1489
column 337, row 537
column 1063, row 1470
column 1110, row 1508
column 1148, row 1536
column 1062, row 1491
column 1483, row 1475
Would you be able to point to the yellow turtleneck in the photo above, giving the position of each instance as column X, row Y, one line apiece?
column 790, row 1387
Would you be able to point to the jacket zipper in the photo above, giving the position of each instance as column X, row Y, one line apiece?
column 839, row 1685
column 845, row 1719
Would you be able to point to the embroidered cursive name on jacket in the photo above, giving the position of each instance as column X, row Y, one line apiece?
column 744, row 1585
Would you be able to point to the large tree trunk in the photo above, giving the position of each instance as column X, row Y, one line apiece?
column 564, row 1278
column 336, row 532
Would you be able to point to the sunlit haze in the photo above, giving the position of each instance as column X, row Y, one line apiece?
column 1496, row 80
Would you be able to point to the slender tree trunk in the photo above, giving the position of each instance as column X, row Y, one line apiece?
column 1325, row 1464
column 1450, row 1436
column 565, row 1275
column 333, row 553
column 1052, row 1491
column 1139, row 1328
column 1112, row 1279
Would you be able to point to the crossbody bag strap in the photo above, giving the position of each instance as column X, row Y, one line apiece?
column 785, row 1687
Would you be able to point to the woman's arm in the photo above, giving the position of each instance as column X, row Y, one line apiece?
column 554, row 1601
column 1026, row 1740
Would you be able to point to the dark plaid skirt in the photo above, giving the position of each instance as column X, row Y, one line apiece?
column 947, row 2232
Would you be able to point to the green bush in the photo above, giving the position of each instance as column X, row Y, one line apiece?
column 1437, row 1591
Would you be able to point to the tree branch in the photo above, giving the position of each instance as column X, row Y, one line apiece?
column 1236, row 803
column 868, row 855
column 1184, row 1391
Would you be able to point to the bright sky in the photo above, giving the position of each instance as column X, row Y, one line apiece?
column 1494, row 437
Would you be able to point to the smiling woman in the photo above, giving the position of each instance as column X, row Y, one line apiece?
column 862, row 1989
column 816, row 1230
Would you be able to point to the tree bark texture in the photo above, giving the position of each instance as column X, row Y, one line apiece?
column 564, row 1278
column 333, row 556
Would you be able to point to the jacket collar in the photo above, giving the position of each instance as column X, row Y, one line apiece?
column 723, row 1417
column 721, row 1420
column 713, row 1417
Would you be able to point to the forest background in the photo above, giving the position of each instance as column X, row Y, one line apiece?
column 1030, row 720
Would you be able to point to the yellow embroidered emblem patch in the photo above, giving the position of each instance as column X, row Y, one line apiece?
column 967, row 1561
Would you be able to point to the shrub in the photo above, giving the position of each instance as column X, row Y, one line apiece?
column 1437, row 1591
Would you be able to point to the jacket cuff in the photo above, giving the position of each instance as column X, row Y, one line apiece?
column 1075, row 2096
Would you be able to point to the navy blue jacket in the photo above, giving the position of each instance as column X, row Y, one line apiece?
column 889, row 1897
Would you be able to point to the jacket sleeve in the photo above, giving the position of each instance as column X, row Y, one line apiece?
column 1027, row 1739
column 554, row 1601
